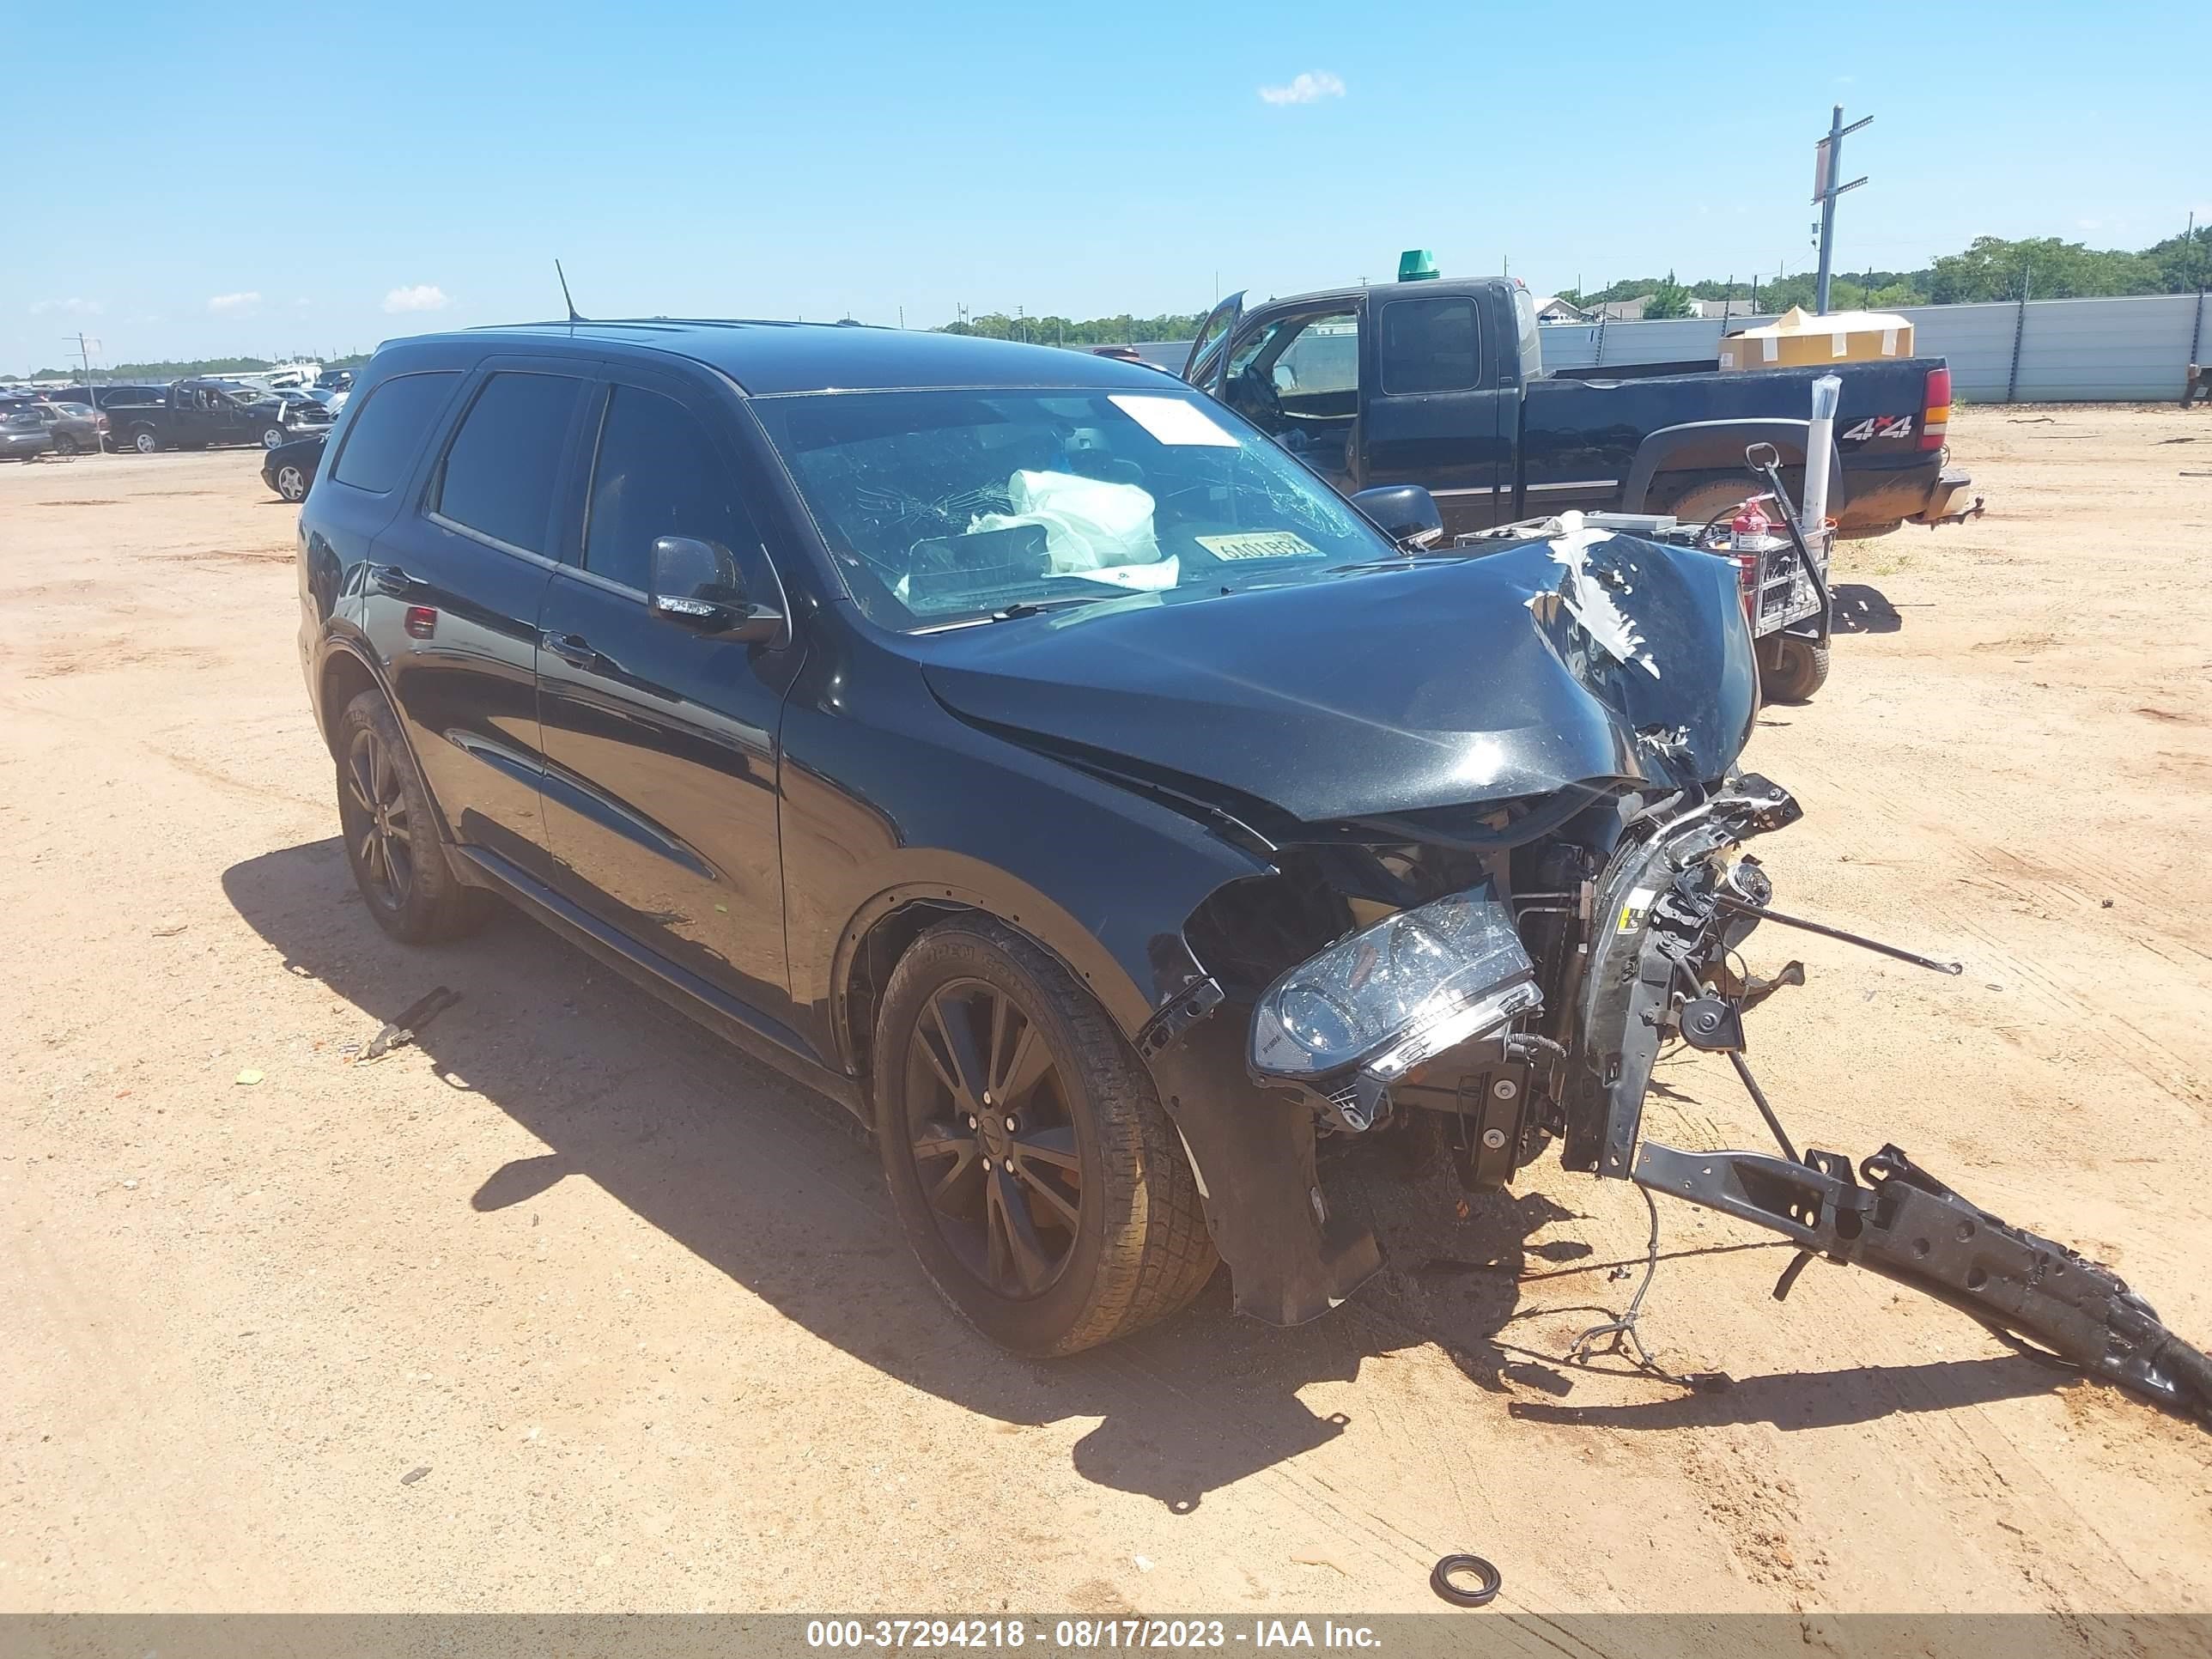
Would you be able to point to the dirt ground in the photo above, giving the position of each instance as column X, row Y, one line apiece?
column 572, row 1308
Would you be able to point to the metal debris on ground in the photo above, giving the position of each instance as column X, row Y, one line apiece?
column 405, row 1029
column 414, row 1474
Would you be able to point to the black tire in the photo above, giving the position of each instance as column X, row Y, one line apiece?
column 391, row 839
column 273, row 435
column 64, row 443
column 291, row 482
column 145, row 440
column 1701, row 502
column 1114, row 1242
column 1791, row 668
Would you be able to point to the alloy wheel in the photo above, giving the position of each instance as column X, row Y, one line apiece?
column 992, row 1139
column 291, row 484
column 376, row 820
column 271, row 437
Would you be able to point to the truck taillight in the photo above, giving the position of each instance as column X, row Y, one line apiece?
column 1935, row 408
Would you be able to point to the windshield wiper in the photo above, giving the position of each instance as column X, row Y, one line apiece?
column 1031, row 607
column 1405, row 561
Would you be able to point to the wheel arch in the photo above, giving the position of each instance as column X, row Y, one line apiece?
column 1704, row 449
column 343, row 675
column 885, row 928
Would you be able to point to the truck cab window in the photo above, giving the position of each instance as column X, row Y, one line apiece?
column 1430, row 345
column 1297, row 379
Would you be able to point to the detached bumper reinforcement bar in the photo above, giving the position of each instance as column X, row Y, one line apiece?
column 1908, row 1226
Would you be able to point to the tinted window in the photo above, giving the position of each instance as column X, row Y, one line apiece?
column 1428, row 345
column 387, row 429
column 499, row 473
column 657, row 475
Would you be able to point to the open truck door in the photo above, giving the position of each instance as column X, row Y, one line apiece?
column 1210, row 350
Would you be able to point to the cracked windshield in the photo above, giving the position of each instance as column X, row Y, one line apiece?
column 949, row 507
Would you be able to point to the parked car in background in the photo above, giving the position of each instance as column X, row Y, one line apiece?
column 75, row 428
column 198, row 414
column 23, row 436
column 108, row 396
column 290, row 469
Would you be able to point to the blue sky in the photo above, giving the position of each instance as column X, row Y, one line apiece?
column 313, row 178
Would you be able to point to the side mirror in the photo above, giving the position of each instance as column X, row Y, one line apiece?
column 1407, row 514
column 697, row 583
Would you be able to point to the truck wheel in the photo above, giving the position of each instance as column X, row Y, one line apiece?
column 143, row 440
column 1044, row 1190
column 391, row 835
column 1791, row 668
column 1703, row 502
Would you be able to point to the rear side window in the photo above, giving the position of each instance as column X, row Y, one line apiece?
column 387, row 430
column 1429, row 345
column 500, row 474
column 657, row 475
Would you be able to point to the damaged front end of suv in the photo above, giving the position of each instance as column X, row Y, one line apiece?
column 1486, row 956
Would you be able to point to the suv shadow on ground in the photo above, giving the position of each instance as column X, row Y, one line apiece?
column 776, row 1187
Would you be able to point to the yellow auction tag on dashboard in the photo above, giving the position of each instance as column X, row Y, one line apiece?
column 1260, row 544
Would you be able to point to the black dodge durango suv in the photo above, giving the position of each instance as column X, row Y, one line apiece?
column 1027, row 751
column 1012, row 743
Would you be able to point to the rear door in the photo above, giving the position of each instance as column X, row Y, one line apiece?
column 1433, row 412
column 451, row 594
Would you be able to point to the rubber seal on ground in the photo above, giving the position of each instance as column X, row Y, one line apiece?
column 1485, row 1592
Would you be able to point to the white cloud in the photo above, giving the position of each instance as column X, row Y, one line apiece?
column 423, row 296
column 73, row 306
column 234, row 304
column 1305, row 89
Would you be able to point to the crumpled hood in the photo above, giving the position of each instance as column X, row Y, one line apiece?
column 1445, row 682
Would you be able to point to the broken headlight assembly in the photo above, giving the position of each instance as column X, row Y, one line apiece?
column 1347, row 1023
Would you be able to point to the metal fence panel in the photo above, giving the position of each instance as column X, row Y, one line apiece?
column 2126, row 351
column 2087, row 350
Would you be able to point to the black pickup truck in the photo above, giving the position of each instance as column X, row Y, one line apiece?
column 196, row 414
column 1443, row 384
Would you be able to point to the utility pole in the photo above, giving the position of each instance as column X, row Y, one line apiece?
column 1827, row 163
column 91, row 391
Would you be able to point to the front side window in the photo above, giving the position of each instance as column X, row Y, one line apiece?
column 499, row 473
column 386, row 431
column 945, row 507
column 657, row 474
column 1429, row 345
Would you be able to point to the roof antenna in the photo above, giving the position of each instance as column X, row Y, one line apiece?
column 573, row 318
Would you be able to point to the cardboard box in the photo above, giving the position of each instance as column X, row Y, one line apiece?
column 1800, row 341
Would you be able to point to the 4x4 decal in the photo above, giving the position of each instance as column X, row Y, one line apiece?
column 1878, row 426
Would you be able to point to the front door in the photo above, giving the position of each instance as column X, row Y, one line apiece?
column 452, row 588
column 661, row 742
column 1202, row 369
column 1433, row 412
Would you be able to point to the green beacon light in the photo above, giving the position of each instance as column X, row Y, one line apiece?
column 1418, row 265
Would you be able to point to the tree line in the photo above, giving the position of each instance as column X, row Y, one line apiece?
column 1988, row 268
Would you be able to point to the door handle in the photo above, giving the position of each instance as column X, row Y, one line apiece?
column 572, row 648
column 390, row 579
